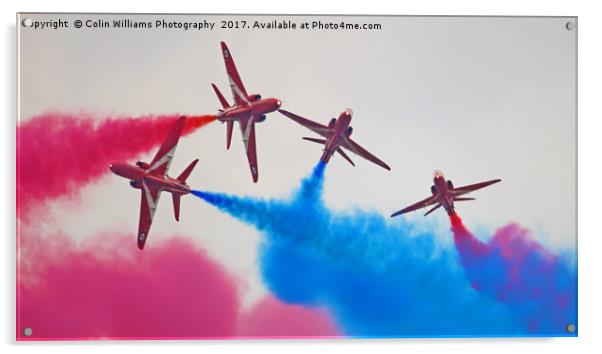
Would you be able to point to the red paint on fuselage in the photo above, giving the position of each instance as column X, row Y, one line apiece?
column 443, row 195
column 138, row 175
column 253, row 108
column 341, row 126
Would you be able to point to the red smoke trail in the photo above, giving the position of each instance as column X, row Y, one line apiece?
column 57, row 153
column 515, row 269
column 464, row 240
column 103, row 289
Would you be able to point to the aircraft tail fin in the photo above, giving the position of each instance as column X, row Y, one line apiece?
column 229, row 127
column 462, row 199
column 342, row 153
column 184, row 175
column 433, row 209
column 176, row 205
column 176, row 196
column 220, row 97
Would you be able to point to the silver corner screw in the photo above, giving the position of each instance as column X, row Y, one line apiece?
column 570, row 25
column 27, row 22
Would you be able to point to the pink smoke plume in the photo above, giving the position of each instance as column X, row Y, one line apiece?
column 57, row 152
column 271, row 318
column 512, row 267
column 104, row 290
column 107, row 290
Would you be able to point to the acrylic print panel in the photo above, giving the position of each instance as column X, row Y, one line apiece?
column 294, row 190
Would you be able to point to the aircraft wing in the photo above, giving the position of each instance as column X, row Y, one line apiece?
column 311, row 125
column 238, row 90
column 457, row 191
column 247, row 128
column 162, row 159
column 148, row 204
column 421, row 204
column 357, row 149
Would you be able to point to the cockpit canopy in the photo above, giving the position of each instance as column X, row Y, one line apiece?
column 332, row 122
column 254, row 97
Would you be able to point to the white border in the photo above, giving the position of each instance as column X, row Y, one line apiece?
column 589, row 179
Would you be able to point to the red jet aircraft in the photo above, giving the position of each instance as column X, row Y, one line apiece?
column 444, row 193
column 336, row 136
column 152, row 179
column 247, row 110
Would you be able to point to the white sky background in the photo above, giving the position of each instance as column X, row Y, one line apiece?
column 478, row 98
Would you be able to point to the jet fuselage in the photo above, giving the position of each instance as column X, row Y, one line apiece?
column 255, row 108
column 442, row 192
column 138, row 174
column 341, row 128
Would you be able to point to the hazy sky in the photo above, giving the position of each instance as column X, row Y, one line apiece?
column 478, row 98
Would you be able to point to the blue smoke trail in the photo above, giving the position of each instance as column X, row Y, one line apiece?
column 378, row 278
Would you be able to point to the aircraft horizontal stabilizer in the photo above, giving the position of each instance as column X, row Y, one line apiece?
column 184, row 175
column 220, row 97
column 342, row 153
column 314, row 140
column 230, row 126
column 176, row 205
column 433, row 209
column 461, row 199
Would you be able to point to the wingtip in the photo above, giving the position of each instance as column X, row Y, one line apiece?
column 225, row 48
column 255, row 176
column 141, row 240
column 193, row 163
column 395, row 214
